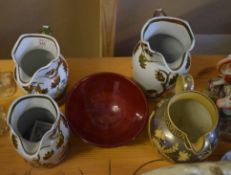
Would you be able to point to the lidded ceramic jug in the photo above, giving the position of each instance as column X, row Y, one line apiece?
column 39, row 65
column 162, row 53
column 184, row 127
column 38, row 130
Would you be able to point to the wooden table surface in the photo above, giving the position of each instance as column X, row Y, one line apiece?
column 86, row 159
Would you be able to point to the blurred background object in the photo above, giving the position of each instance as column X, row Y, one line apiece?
column 209, row 19
column 7, row 85
column 75, row 24
column 3, row 124
column 95, row 28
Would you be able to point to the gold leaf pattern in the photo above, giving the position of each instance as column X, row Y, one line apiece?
column 60, row 140
column 36, row 88
column 183, row 156
column 171, row 149
column 142, row 61
column 173, row 79
column 36, row 163
column 159, row 138
column 159, row 76
column 48, row 155
column 40, row 90
column 56, row 81
column 50, row 73
column 64, row 66
column 14, row 141
column 29, row 88
column 159, row 134
column 65, row 123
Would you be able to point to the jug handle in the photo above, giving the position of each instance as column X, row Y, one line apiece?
column 159, row 12
column 149, row 125
column 184, row 83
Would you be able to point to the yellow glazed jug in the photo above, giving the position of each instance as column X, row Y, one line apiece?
column 184, row 127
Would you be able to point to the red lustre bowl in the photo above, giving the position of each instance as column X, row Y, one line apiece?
column 106, row 109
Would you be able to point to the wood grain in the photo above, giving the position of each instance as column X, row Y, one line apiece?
column 108, row 23
column 87, row 159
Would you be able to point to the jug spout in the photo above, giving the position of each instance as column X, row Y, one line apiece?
column 198, row 145
column 170, row 37
column 33, row 52
column 31, row 118
column 39, row 132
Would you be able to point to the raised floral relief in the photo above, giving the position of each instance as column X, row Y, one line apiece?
column 35, row 88
column 165, row 79
column 183, row 156
column 37, row 162
column 159, row 134
column 60, row 140
column 168, row 149
column 143, row 56
column 55, row 82
column 48, row 155
column 160, row 140
column 160, row 75
column 143, row 61
column 173, row 80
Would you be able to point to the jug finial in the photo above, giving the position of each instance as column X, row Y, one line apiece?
column 46, row 29
column 159, row 12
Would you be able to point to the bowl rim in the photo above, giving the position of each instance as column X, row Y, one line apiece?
column 80, row 82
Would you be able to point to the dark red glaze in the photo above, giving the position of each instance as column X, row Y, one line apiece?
column 107, row 109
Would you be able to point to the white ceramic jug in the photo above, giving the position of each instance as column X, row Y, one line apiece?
column 39, row 65
column 38, row 130
column 162, row 53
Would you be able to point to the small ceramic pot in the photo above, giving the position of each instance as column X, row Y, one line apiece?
column 39, row 66
column 38, row 130
column 184, row 127
column 162, row 53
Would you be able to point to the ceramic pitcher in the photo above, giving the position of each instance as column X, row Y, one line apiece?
column 184, row 127
column 162, row 53
column 38, row 130
column 219, row 89
column 39, row 65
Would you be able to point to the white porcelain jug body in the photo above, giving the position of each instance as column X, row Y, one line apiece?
column 162, row 53
column 39, row 65
column 38, row 130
